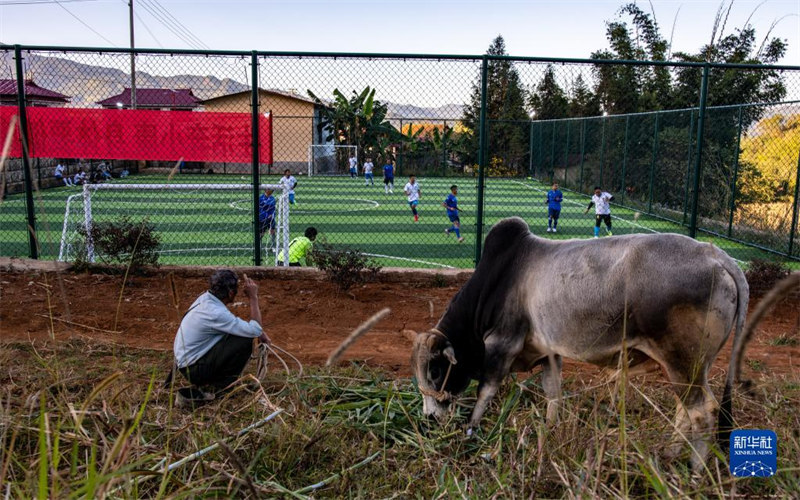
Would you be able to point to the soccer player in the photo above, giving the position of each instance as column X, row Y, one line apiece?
column 602, row 209
column 368, row 166
column 414, row 193
column 353, row 167
column 300, row 249
column 388, row 177
column 266, row 216
column 289, row 183
column 451, row 204
column 554, row 199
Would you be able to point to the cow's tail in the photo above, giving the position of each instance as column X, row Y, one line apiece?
column 725, row 423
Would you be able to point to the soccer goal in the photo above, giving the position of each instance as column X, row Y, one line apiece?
column 196, row 223
column 330, row 159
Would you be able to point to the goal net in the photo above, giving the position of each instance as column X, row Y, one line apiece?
column 197, row 224
column 330, row 159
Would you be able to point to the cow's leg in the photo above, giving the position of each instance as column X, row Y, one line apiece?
column 694, row 419
column 551, row 383
column 501, row 351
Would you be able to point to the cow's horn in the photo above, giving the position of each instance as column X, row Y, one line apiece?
column 450, row 354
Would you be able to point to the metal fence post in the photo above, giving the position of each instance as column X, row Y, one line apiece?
column 444, row 149
column 735, row 174
column 688, row 168
column 793, row 228
column 482, row 160
column 653, row 166
column 566, row 154
column 33, row 248
column 602, row 152
column 552, row 170
column 624, row 158
column 698, row 160
column 540, row 151
column 530, row 150
column 256, row 158
column 583, row 151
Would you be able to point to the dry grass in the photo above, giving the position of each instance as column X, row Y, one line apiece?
column 83, row 419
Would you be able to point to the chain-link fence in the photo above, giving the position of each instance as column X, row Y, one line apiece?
column 707, row 150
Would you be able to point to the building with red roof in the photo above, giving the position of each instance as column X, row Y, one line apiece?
column 165, row 99
column 34, row 94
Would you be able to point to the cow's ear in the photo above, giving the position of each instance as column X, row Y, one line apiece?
column 410, row 335
column 450, row 354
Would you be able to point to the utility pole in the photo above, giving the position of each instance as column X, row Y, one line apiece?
column 133, row 58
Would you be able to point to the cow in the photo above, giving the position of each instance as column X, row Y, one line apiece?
column 662, row 298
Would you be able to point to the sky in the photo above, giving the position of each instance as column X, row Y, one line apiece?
column 567, row 28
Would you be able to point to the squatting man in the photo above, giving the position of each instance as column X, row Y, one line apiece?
column 212, row 345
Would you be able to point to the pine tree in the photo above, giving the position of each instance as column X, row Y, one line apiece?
column 507, row 119
column 548, row 99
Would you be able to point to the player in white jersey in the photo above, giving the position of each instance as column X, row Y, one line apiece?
column 289, row 183
column 414, row 193
column 353, row 167
column 368, row 166
column 602, row 209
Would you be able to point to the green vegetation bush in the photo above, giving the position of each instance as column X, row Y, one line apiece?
column 123, row 242
column 763, row 274
column 344, row 266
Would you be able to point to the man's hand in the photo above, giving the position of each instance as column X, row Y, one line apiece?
column 264, row 339
column 250, row 288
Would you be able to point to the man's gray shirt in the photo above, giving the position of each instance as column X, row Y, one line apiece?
column 207, row 321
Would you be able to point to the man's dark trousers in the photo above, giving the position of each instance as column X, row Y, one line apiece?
column 222, row 365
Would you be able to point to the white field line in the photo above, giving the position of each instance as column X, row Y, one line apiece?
column 619, row 219
column 581, row 205
column 410, row 260
column 190, row 250
column 235, row 205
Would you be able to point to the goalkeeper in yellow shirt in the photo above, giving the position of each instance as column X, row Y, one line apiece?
column 300, row 249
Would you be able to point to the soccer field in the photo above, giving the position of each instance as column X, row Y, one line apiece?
column 215, row 227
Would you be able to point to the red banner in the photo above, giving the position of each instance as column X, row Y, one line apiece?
column 140, row 134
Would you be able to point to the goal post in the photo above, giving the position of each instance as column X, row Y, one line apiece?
column 330, row 159
column 197, row 223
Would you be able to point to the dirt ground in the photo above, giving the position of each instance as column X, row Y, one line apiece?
column 306, row 316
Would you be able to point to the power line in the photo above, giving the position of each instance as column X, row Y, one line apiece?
column 148, row 29
column 173, row 26
column 58, row 2
column 176, row 21
column 39, row 2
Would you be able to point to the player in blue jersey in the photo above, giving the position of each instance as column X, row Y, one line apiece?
column 451, row 204
column 554, row 199
column 388, row 177
column 266, row 215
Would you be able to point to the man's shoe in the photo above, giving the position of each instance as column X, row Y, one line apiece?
column 555, row 230
column 192, row 397
column 416, row 218
column 447, row 232
column 609, row 233
column 461, row 240
column 549, row 229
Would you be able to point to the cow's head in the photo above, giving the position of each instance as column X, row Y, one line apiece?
column 433, row 362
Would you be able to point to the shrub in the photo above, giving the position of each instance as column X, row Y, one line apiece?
column 763, row 274
column 343, row 266
column 124, row 241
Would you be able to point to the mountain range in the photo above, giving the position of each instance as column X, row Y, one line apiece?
column 86, row 84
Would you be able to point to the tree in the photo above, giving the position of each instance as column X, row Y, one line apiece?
column 360, row 120
column 582, row 101
column 628, row 88
column 768, row 161
column 505, row 110
column 548, row 99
